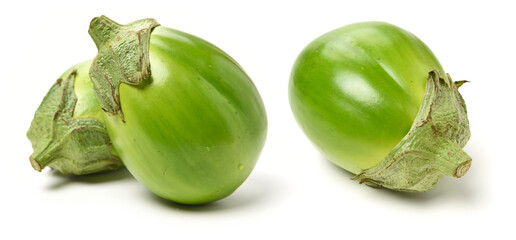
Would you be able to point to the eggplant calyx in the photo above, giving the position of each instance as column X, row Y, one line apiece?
column 433, row 146
column 69, row 145
column 123, row 57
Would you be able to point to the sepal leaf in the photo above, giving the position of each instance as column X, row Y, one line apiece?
column 123, row 57
column 69, row 145
column 433, row 146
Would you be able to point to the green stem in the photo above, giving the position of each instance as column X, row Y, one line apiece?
column 433, row 146
column 123, row 57
column 103, row 29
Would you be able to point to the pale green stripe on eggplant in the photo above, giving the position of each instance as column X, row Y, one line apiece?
column 221, row 64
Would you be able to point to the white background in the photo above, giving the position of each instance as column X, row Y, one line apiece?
column 293, row 191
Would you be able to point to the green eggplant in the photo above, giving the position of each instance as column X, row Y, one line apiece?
column 374, row 100
column 184, row 117
column 67, row 132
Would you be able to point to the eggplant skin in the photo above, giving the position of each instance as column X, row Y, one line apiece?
column 355, row 91
column 192, row 132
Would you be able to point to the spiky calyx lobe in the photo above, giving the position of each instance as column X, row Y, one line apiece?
column 123, row 57
column 71, row 145
column 433, row 146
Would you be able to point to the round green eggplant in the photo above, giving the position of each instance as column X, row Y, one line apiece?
column 356, row 91
column 192, row 130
